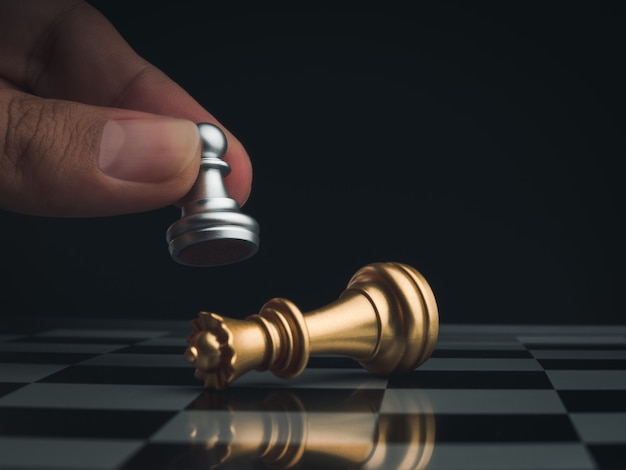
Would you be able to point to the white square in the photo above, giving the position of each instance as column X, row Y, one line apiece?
column 65, row 453
column 527, row 456
column 601, row 428
column 401, row 400
column 588, row 379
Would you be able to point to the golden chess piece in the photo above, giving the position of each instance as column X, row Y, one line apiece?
column 386, row 319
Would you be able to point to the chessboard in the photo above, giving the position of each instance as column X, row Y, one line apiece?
column 119, row 394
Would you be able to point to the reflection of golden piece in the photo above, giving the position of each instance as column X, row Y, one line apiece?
column 386, row 319
column 281, row 430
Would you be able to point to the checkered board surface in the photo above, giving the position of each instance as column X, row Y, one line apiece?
column 120, row 395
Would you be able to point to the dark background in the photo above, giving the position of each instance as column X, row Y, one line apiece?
column 480, row 142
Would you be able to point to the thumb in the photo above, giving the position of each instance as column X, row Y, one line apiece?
column 61, row 158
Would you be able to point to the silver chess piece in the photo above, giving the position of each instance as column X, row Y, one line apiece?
column 212, row 230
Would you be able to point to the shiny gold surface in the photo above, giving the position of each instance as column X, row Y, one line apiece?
column 386, row 319
column 282, row 430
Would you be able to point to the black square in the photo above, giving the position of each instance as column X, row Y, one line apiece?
column 609, row 456
column 83, row 423
column 77, row 340
column 8, row 387
column 583, row 364
column 483, row 353
column 466, row 428
column 27, row 357
column 598, row 401
column 147, row 349
column 606, row 346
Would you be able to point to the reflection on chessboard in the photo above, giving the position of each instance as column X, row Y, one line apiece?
column 120, row 395
column 284, row 428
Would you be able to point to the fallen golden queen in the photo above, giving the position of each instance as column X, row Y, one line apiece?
column 386, row 319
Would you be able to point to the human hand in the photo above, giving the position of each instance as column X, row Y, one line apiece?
column 89, row 128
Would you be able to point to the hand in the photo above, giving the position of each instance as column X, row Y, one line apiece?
column 89, row 128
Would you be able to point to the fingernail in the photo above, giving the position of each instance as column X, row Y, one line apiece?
column 147, row 150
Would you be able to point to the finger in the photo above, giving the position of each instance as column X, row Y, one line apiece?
column 61, row 158
column 67, row 49
column 174, row 101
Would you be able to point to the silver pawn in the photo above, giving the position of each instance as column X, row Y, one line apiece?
column 212, row 230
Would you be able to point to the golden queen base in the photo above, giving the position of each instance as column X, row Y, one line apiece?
column 386, row 319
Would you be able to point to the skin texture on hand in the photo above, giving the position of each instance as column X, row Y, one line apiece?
column 89, row 128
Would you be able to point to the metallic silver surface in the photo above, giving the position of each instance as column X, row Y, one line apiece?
column 212, row 230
